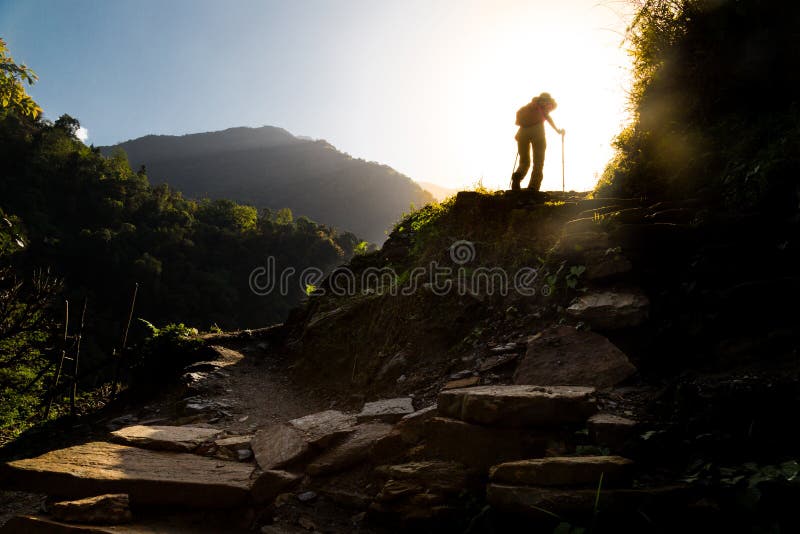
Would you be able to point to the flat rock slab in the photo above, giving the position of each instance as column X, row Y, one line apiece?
column 323, row 427
column 149, row 477
column 355, row 448
column 610, row 309
column 165, row 438
column 564, row 355
column 386, row 410
column 519, row 405
column 279, row 445
column 110, row 509
column 564, row 471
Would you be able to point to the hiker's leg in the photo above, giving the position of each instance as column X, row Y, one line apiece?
column 523, row 147
column 539, row 147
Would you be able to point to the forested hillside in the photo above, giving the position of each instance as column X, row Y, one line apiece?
column 77, row 226
column 269, row 167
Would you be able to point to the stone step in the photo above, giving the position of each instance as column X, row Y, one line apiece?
column 149, row 477
column 564, row 471
column 519, row 405
column 164, row 438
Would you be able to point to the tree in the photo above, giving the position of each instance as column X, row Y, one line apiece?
column 13, row 78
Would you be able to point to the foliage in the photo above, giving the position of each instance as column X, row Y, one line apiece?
column 163, row 354
column 94, row 223
column 715, row 104
column 27, row 331
column 13, row 78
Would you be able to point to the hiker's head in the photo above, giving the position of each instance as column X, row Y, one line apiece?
column 545, row 101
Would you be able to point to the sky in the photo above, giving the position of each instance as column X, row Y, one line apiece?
column 429, row 87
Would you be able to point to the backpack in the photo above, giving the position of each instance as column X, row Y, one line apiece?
column 529, row 115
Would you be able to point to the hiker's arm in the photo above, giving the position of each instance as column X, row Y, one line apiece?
column 553, row 124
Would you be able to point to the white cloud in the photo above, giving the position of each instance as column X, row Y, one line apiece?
column 82, row 134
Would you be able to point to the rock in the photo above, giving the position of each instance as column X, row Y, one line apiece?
column 499, row 360
column 463, row 383
column 611, row 310
column 438, row 476
column 578, row 505
column 564, row 355
column 355, row 449
column 420, row 490
column 411, row 427
column 272, row 483
column 518, row 405
column 234, row 443
column 111, row 509
column 321, row 428
column 564, row 471
column 306, row 496
column 506, row 348
column 165, row 438
column 386, row 410
column 278, row 446
column 149, row 477
column 610, row 431
column 479, row 447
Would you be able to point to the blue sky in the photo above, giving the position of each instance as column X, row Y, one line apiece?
column 427, row 86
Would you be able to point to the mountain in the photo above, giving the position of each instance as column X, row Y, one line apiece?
column 439, row 192
column 269, row 167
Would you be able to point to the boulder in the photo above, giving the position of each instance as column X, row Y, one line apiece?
column 386, row 410
column 610, row 431
column 112, row 509
column 608, row 310
column 322, row 428
column 279, row 445
column 354, row 449
column 35, row 524
column 148, row 477
column 165, row 438
column 564, row 355
column 564, row 471
column 272, row 483
column 518, row 405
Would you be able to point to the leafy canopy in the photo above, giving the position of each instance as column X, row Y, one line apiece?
column 13, row 78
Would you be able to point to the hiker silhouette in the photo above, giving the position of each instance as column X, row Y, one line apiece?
column 530, row 119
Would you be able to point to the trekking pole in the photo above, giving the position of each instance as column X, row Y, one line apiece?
column 514, row 168
column 562, row 161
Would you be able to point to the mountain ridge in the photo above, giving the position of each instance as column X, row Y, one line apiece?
column 269, row 167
